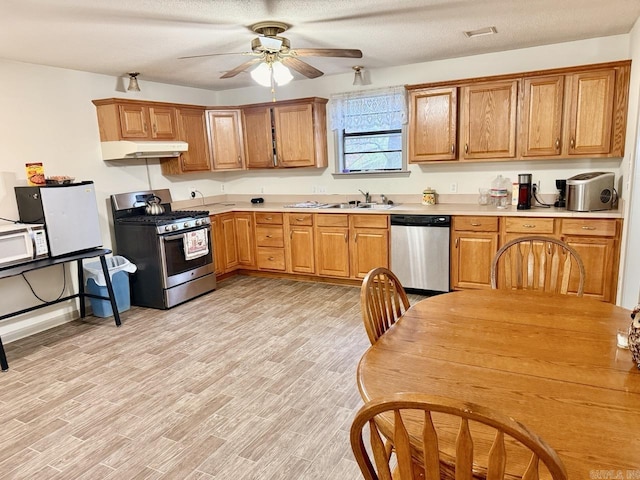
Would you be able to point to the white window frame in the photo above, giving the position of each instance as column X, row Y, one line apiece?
column 342, row 114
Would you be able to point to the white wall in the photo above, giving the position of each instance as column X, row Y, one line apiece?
column 629, row 293
column 47, row 116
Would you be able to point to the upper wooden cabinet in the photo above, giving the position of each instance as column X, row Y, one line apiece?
column 225, row 139
column 433, row 124
column 130, row 120
column 191, row 129
column 488, row 120
column 286, row 134
column 575, row 112
column 541, row 119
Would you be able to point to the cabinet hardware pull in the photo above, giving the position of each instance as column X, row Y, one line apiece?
column 529, row 225
column 269, row 236
column 355, row 237
column 291, row 234
column 457, row 242
column 346, row 238
column 453, row 149
column 466, row 148
column 476, row 224
column 557, row 144
column 271, row 259
column 268, row 218
column 585, row 227
column 573, row 143
column 299, row 219
column 144, row 127
column 239, row 160
column 155, row 128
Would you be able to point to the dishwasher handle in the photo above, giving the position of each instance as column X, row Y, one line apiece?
column 421, row 220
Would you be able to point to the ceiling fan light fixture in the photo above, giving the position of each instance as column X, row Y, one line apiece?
column 262, row 75
column 133, row 82
column 481, row 32
column 357, row 77
column 281, row 74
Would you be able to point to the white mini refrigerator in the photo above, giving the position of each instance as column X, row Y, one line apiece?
column 69, row 213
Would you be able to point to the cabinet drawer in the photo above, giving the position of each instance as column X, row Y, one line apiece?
column 596, row 228
column 332, row 220
column 271, row 258
column 370, row 221
column 269, row 218
column 301, row 219
column 269, row 236
column 476, row 224
column 528, row 225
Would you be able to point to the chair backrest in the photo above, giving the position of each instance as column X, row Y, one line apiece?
column 413, row 430
column 537, row 263
column 382, row 300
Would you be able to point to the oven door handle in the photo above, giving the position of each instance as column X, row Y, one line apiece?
column 180, row 236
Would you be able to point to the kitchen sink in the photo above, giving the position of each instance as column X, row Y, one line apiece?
column 341, row 205
column 373, row 206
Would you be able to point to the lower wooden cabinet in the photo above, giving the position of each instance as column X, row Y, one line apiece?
column 474, row 243
column 299, row 243
column 245, row 236
column 332, row 245
column 229, row 247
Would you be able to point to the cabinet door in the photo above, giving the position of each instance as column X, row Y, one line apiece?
column 300, row 249
column 332, row 251
column 369, row 249
column 471, row 257
column 591, row 113
column 489, row 120
column 541, row 121
column 163, row 123
column 244, row 238
column 225, row 139
column 191, row 129
column 294, row 135
column 134, row 121
column 217, row 233
column 432, row 124
column 258, row 137
column 230, row 245
column 598, row 257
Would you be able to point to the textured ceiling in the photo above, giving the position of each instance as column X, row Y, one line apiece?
column 117, row 36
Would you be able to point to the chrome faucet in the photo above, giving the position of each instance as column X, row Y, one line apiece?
column 367, row 197
column 383, row 199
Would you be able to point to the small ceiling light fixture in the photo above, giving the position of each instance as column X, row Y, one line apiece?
column 133, row 82
column 357, row 77
column 481, row 32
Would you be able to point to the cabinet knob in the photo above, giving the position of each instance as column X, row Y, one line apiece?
column 476, row 224
column 453, row 149
column 291, row 234
column 239, row 159
column 466, row 148
column 271, row 259
column 346, row 238
column 269, row 236
column 155, row 128
column 528, row 225
column 457, row 242
column 557, row 144
column 585, row 227
column 572, row 143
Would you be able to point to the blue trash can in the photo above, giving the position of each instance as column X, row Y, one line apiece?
column 119, row 270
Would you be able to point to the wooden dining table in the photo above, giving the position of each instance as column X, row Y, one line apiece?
column 549, row 361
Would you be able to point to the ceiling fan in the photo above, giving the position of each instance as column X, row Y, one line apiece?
column 270, row 48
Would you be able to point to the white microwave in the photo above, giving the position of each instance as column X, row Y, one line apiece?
column 22, row 243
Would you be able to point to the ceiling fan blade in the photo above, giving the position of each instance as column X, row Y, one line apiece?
column 215, row 55
column 327, row 52
column 302, row 67
column 241, row 68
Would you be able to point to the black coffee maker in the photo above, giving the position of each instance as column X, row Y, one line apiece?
column 524, row 191
column 561, row 202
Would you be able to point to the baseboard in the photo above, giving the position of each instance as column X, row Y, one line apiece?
column 41, row 326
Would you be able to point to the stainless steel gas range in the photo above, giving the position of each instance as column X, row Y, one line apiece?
column 170, row 271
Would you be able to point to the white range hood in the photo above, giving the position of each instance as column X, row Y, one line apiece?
column 128, row 149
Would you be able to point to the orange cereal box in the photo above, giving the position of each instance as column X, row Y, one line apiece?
column 35, row 174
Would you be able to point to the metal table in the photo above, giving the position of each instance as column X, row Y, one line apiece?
column 48, row 262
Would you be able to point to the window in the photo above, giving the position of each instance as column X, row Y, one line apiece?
column 369, row 130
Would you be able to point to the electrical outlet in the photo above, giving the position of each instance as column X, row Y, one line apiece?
column 322, row 189
column 314, row 189
column 453, row 188
column 261, row 189
column 222, row 188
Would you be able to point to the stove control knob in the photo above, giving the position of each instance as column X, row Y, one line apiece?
column 186, row 224
column 198, row 222
column 167, row 228
column 174, row 227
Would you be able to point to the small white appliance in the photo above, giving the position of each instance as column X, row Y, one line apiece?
column 69, row 213
column 20, row 243
column 589, row 192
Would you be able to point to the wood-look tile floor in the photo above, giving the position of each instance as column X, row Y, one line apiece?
column 256, row 380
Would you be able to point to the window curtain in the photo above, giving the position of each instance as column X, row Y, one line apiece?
column 369, row 110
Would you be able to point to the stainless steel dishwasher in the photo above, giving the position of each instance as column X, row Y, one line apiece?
column 420, row 251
